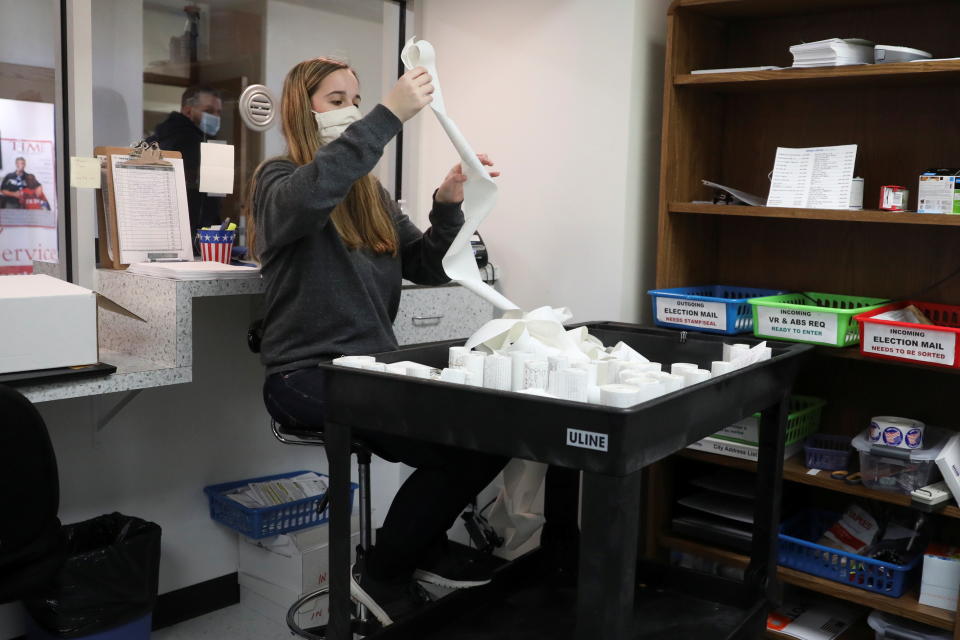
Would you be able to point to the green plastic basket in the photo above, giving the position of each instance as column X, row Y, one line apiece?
column 803, row 420
column 814, row 318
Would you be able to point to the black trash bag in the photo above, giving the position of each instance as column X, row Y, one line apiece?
column 109, row 578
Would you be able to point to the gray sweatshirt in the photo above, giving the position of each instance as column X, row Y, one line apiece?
column 322, row 299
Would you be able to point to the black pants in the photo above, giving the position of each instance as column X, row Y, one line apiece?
column 446, row 479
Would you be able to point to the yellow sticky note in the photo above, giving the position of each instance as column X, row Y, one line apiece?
column 84, row 173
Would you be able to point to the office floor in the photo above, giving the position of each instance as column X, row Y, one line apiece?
column 235, row 623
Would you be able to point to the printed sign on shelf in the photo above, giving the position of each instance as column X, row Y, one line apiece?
column 922, row 345
column 795, row 324
column 692, row 313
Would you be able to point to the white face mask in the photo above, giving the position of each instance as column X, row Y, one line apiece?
column 332, row 123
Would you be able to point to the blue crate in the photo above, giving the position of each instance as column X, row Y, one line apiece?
column 796, row 551
column 266, row 521
column 738, row 312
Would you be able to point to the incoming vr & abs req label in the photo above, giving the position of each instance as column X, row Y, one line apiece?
column 693, row 313
column 809, row 326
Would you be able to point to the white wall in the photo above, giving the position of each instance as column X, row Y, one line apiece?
column 117, row 72
column 348, row 30
column 28, row 32
column 566, row 97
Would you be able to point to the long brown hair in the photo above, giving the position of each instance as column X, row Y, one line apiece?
column 361, row 218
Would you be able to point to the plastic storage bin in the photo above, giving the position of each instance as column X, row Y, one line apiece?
column 814, row 318
column 901, row 470
column 711, row 308
column 890, row 627
column 827, row 452
column 267, row 521
column 803, row 419
column 798, row 551
column 935, row 345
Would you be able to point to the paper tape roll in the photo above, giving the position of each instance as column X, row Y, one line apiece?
column 457, row 356
column 473, row 362
column 591, row 369
column 572, row 384
column 517, row 360
column 355, row 362
column 619, row 395
column 593, row 394
column 671, row 382
column 733, row 351
column 648, row 388
column 374, row 366
column 497, row 371
column 456, row 376
column 534, row 375
column 677, row 368
column 399, row 369
column 695, row 377
column 892, row 431
column 418, row 370
column 603, row 371
column 721, row 367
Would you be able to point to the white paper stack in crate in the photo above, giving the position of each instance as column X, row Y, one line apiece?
column 274, row 572
column 833, row 52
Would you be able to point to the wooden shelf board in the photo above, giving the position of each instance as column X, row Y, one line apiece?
column 794, row 470
column 901, row 73
column 834, row 215
column 905, row 606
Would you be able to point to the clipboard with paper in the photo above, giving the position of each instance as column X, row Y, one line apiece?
column 142, row 207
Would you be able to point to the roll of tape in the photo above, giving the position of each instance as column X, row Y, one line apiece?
column 619, row 395
column 892, row 431
column 497, row 372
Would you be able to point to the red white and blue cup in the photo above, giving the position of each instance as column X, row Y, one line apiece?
column 216, row 245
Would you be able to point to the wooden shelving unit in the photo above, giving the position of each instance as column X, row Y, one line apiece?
column 726, row 127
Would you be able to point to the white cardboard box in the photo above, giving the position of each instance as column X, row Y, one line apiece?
column 941, row 577
column 276, row 571
column 48, row 323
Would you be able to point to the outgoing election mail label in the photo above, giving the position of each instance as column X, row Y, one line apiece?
column 692, row 313
column 922, row 345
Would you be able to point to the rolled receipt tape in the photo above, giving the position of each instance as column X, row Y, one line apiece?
column 534, row 375
column 457, row 356
column 619, row 395
column 517, row 360
column 374, row 366
column 677, row 368
column 671, row 382
column 479, row 191
column 696, row 376
column 497, row 372
column 473, row 362
column 721, row 367
column 572, row 384
column 355, row 362
column 733, row 351
column 892, row 431
column 456, row 376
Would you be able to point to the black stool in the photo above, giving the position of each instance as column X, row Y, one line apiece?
column 311, row 438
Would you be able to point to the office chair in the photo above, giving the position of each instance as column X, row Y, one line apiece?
column 314, row 438
column 32, row 548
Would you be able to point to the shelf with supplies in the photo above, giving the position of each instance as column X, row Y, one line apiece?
column 853, row 353
column 905, row 606
column 835, row 215
column 899, row 73
column 795, row 471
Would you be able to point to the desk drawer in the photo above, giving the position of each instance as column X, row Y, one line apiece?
column 439, row 313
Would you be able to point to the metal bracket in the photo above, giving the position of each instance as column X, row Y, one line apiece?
column 103, row 420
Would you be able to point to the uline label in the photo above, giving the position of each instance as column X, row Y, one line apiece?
column 586, row 439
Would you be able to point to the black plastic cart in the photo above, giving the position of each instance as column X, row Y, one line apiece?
column 624, row 441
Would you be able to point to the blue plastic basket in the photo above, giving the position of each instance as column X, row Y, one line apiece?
column 266, row 521
column 735, row 316
column 796, row 551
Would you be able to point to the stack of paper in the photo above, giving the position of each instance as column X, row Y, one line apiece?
column 833, row 52
column 194, row 270
column 279, row 491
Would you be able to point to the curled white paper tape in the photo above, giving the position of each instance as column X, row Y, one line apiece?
column 479, row 191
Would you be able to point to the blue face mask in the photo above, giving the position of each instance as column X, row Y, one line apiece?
column 209, row 123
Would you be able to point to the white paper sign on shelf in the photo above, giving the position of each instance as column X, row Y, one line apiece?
column 922, row 345
column 796, row 324
column 813, row 178
column 479, row 191
column 692, row 313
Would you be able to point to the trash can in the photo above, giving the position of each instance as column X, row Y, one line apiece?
column 108, row 586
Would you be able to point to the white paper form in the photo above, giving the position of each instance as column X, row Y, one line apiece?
column 813, row 178
column 152, row 213
column 479, row 191
column 216, row 168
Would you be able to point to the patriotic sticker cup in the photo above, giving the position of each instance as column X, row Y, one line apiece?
column 215, row 245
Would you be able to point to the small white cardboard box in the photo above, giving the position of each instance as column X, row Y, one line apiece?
column 276, row 571
column 48, row 323
column 941, row 577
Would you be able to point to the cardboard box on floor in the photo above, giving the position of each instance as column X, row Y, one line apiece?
column 49, row 323
column 273, row 574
